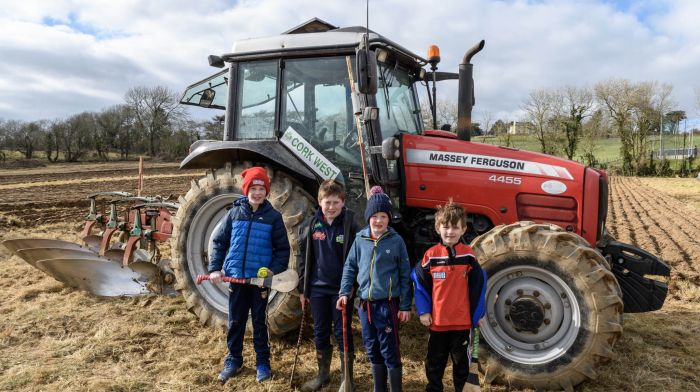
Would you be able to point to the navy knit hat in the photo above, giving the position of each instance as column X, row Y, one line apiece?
column 378, row 202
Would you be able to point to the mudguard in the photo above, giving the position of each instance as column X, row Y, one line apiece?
column 629, row 264
column 213, row 154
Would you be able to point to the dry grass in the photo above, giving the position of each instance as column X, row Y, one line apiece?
column 92, row 180
column 56, row 338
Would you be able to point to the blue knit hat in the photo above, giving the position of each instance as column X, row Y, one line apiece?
column 378, row 202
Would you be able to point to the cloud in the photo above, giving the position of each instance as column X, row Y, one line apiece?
column 66, row 56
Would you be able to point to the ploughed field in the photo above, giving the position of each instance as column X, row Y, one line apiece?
column 55, row 338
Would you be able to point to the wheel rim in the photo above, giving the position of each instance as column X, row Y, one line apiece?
column 532, row 315
column 199, row 247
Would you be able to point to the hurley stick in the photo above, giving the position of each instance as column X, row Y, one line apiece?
column 346, row 370
column 472, row 384
column 283, row 282
column 296, row 355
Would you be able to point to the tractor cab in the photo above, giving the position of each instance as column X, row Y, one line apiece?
column 289, row 101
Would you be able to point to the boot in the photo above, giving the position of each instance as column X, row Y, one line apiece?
column 324, row 367
column 395, row 380
column 351, row 380
column 379, row 377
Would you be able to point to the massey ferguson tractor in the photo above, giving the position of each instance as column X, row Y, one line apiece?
column 320, row 102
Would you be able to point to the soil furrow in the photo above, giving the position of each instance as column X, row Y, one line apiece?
column 649, row 223
column 688, row 246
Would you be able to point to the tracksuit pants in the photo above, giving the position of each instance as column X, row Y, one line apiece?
column 325, row 314
column 242, row 299
column 444, row 344
column 380, row 331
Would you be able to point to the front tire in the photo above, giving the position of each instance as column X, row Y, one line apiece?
column 553, row 308
column 200, row 210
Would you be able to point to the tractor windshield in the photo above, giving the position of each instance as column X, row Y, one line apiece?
column 396, row 99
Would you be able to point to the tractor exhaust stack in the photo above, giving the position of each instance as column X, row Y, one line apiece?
column 465, row 95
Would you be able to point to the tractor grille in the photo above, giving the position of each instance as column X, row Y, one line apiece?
column 561, row 211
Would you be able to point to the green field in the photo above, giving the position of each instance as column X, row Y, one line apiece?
column 607, row 150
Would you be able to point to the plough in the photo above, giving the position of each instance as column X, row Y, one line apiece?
column 119, row 254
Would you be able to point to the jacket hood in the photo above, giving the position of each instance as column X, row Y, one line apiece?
column 366, row 232
column 243, row 202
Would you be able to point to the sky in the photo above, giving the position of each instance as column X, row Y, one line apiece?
column 62, row 57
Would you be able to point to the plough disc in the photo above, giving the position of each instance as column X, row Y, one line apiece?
column 29, row 243
column 93, row 242
column 32, row 255
column 117, row 255
column 104, row 278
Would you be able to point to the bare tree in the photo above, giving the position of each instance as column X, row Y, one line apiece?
column 110, row 125
column 486, row 120
column 214, row 128
column 153, row 109
column 4, row 140
column 616, row 95
column 177, row 144
column 76, row 138
column 446, row 114
column 635, row 110
column 572, row 105
column 52, row 139
column 500, row 129
column 540, row 108
column 651, row 101
column 591, row 132
column 25, row 136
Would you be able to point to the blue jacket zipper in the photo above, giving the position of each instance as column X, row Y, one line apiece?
column 247, row 236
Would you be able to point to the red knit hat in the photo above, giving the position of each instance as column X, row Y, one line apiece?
column 255, row 175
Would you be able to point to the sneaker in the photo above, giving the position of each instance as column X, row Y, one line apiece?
column 263, row 373
column 230, row 370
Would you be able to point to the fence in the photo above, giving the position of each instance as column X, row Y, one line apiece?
column 676, row 153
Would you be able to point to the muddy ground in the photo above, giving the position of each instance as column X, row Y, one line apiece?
column 55, row 338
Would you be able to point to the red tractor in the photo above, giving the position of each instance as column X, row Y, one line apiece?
column 319, row 102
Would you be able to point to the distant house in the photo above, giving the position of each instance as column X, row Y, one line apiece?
column 520, row 127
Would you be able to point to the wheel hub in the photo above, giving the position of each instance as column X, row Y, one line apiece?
column 526, row 314
column 532, row 314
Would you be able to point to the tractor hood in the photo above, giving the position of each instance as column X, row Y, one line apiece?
column 504, row 184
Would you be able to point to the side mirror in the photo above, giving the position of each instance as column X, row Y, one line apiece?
column 366, row 65
column 216, row 61
column 207, row 98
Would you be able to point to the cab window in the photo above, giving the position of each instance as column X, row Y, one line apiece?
column 257, row 93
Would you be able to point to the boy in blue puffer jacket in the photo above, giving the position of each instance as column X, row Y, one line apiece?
column 378, row 260
column 250, row 239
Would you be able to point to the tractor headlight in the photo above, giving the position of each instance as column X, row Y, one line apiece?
column 391, row 148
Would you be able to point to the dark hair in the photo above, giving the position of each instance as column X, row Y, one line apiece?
column 331, row 188
column 450, row 214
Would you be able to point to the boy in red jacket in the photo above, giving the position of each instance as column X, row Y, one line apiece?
column 449, row 294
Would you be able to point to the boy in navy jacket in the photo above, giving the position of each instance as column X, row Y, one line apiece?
column 325, row 241
column 250, row 240
column 450, row 287
column 378, row 261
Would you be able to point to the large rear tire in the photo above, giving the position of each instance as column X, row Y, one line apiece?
column 200, row 210
column 553, row 308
